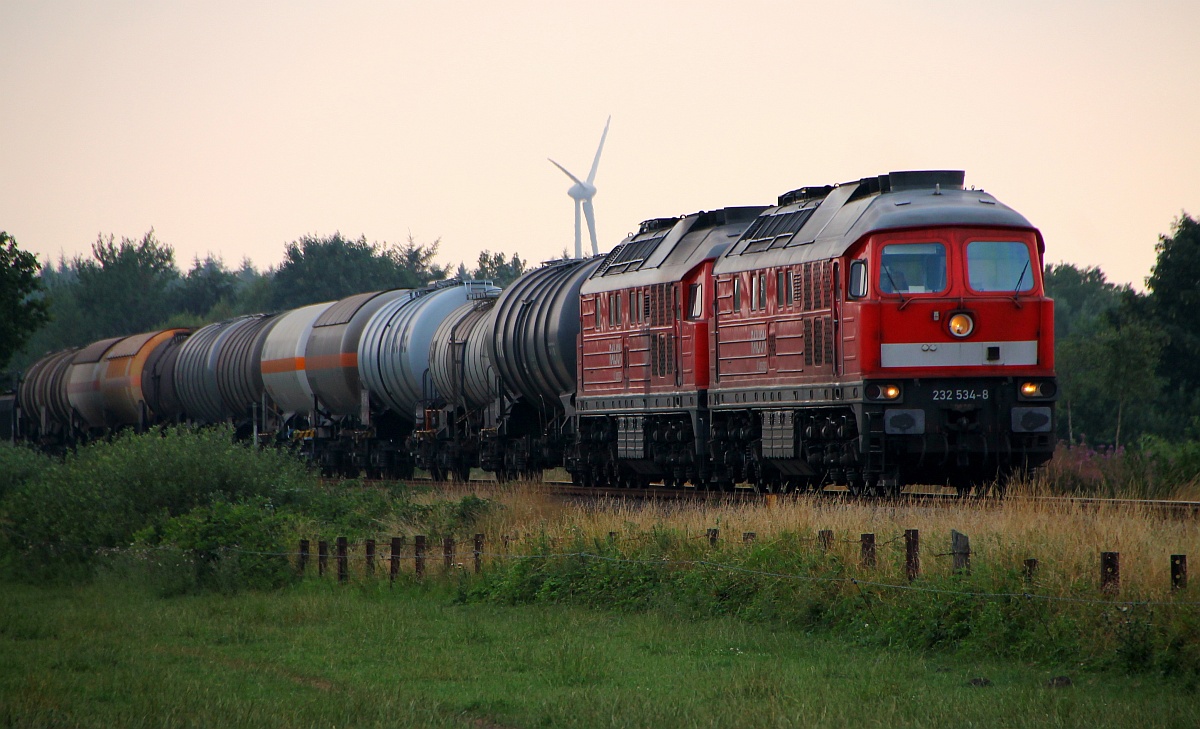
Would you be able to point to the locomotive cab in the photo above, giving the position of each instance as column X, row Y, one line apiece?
column 956, row 353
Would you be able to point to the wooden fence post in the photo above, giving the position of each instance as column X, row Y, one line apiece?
column 322, row 557
column 478, row 553
column 1110, row 572
column 394, row 567
column 1178, row 571
column 302, row 563
column 419, row 555
column 713, row 535
column 1031, row 568
column 912, row 553
column 825, row 537
column 868, row 550
column 448, row 552
column 370, row 551
column 960, row 547
column 343, row 566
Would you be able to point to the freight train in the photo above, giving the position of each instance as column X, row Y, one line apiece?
column 875, row 333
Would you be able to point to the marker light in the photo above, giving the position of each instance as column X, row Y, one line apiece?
column 961, row 325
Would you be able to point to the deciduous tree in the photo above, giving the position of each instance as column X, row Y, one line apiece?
column 22, row 309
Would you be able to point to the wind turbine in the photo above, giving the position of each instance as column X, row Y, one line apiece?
column 583, row 192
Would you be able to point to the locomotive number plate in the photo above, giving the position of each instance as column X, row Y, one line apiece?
column 960, row 395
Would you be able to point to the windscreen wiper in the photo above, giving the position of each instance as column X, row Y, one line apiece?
column 1017, row 289
column 895, row 288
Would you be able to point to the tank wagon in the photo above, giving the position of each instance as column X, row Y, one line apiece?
column 888, row 330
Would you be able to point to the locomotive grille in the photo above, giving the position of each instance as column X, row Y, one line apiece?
column 829, row 340
column 808, row 342
column 808, row 290
column 818, row 341
column 662, row 355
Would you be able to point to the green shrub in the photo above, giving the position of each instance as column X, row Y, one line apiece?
column 98, row 498
column 232, row 546
column 18, row 465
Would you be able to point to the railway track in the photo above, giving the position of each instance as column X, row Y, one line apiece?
column 930, row 496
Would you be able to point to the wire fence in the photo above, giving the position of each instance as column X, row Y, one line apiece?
column 456, row 556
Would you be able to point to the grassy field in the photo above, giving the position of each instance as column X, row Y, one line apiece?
column 111, row 654
column 150, row 581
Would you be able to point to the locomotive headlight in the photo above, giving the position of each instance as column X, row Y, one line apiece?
column 961, row 324
column 883, row 392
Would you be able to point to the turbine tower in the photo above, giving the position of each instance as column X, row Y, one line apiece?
column 582, row 193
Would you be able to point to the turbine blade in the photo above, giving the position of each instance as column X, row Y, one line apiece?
column 596, row 162
column 578, row 237
column 564, row 169
column 590, row 212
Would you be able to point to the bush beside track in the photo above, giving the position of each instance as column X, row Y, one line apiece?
column 216, row 515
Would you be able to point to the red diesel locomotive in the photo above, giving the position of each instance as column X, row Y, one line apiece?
column 875, row 333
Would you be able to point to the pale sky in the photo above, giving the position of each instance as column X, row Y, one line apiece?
column 232, row 128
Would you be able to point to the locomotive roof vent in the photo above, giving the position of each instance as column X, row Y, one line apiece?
column 804, row 193
column 656, row 224
column 927, row 179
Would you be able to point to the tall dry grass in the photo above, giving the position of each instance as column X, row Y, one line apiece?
column 1066, row 538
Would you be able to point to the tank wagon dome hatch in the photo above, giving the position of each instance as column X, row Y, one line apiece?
column 394, row 350
column 666, row 248
column 536, row 327
column 814, row 223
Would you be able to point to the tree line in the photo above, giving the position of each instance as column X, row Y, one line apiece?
column 134, row 285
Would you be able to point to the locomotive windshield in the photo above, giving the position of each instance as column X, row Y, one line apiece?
column 912, row 268
column 999, row 266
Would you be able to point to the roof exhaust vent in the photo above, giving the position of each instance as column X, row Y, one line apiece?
column 804, row 193
column 654, row 224
column 927, row 180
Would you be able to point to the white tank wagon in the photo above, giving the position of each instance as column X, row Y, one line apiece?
column 284, row 371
